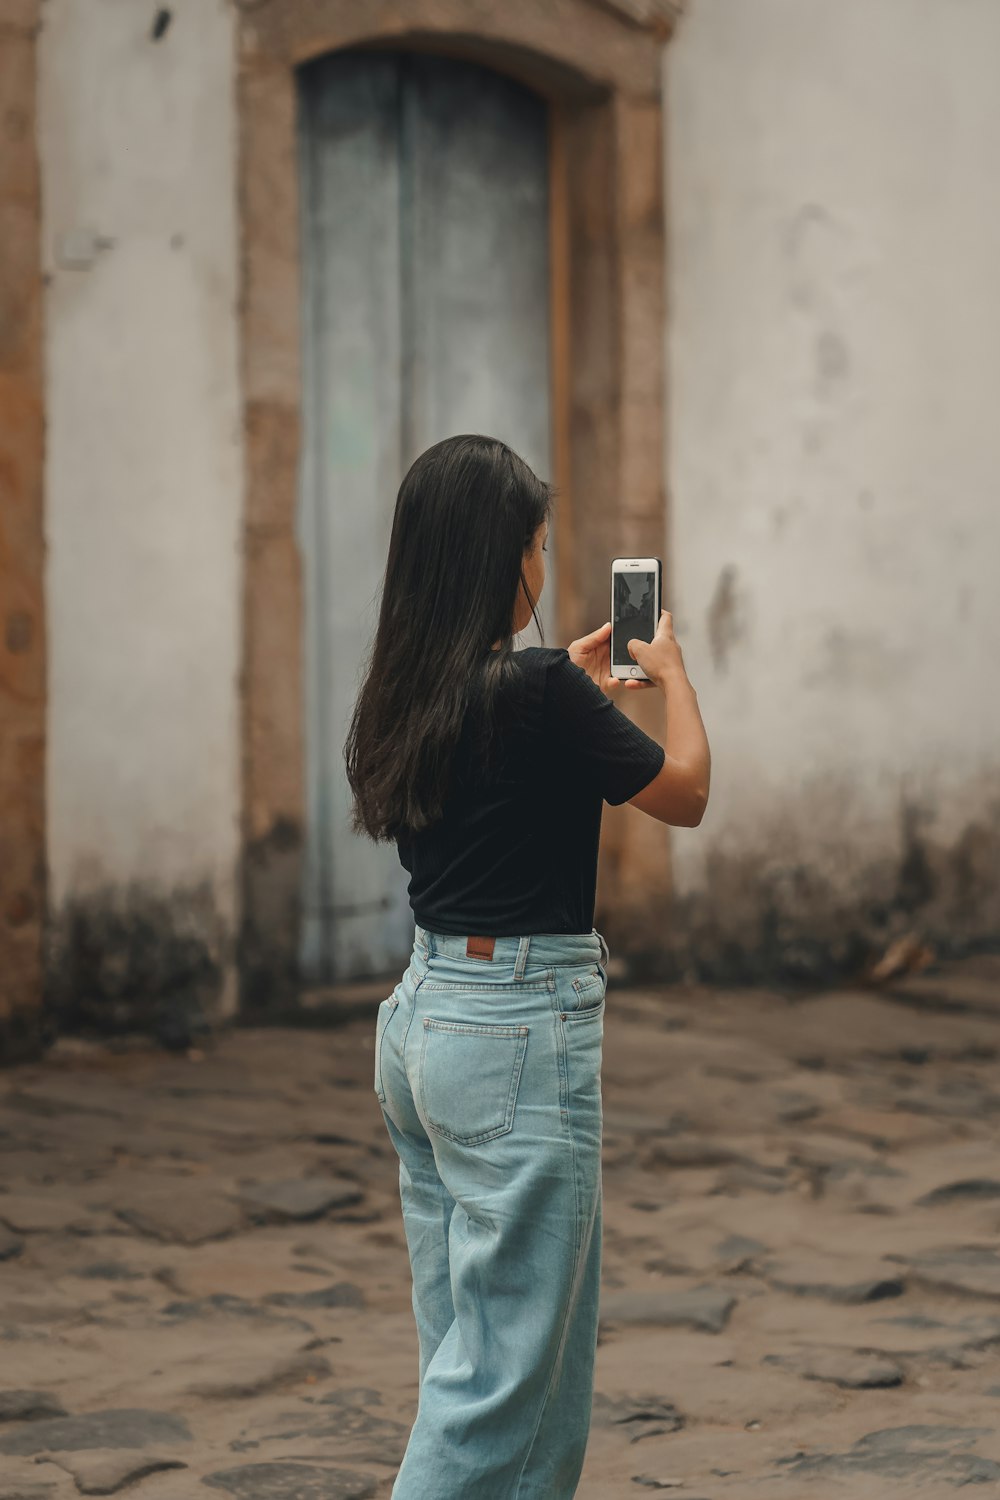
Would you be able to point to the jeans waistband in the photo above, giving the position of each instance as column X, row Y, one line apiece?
column 517, row 953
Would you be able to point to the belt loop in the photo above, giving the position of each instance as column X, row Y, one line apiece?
column 522, row 957
column 604, row 949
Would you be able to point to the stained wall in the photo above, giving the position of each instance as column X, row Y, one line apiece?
column 143, row 501
column 834, row 453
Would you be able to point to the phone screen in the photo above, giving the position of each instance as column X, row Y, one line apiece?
column 633, row 613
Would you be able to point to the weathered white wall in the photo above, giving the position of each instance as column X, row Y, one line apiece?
column 143, row 469
column 834, row 463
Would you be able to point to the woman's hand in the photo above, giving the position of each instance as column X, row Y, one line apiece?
column 593, row 653
column 661, row 657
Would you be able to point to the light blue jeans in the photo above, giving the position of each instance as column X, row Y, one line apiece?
column 488, row 1073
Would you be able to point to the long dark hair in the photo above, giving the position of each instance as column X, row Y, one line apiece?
column 466, row 513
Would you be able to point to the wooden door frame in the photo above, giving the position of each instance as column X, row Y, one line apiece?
column 598, row 64
column 23, row 650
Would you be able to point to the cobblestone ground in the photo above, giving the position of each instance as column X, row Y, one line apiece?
column 204, row 1284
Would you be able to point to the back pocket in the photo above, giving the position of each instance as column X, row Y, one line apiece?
column 468, row 1078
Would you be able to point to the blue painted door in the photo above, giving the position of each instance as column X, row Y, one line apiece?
column 425, row 313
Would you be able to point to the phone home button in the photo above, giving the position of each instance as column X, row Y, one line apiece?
column 633, row 671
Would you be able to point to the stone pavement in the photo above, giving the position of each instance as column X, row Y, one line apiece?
column 204, row 1286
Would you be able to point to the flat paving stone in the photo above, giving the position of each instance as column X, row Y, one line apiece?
column 836, row 1283
column 29, row 1406
column 182, row 1218
column 705, row 1308
column 687, row 1151
column 107, row 1472
column 846, row 1368
column 741, row 1177
column 292, row 1481
column 638, row 1416
column 360, row 1436
column 185, row 1309
column 974, row 1189
column 107, row 1270
column 737, row 1249
column 121, row 1428
column 246, row 1379
column 651, row 1482
column 300, row 1200
column 338, row 1294
column 937, row 1339
column 973, row 1270
column 914, row 1452
column 25, row 1213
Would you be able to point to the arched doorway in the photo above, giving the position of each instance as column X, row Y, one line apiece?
column 424, row 241
column 597, row 66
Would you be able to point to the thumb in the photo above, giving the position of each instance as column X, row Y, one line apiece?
column 636, row 648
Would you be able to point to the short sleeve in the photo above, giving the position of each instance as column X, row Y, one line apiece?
column 595, row 736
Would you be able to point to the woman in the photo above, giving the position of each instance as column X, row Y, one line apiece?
column 489, row 768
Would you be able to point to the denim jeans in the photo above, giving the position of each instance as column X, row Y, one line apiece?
column 488, row 1073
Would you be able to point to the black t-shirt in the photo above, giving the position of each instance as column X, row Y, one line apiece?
column 516, row 851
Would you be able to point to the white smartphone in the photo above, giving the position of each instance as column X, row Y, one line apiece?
column 636, row 586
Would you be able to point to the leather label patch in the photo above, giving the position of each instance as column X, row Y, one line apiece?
column 480, row 947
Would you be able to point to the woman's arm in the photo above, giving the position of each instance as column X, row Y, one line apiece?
column 678, row 794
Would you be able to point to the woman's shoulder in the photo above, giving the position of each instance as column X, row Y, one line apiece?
column 524, row 685
column 537, row 660
column 535, row 665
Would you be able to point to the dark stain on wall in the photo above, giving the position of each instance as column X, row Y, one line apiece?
column 724, row 623
column 145, row 961
column 24, row 1035
column 758, row 920
column 272, row 915
column 833, row 361
column 917, row 884
column 138, row 960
